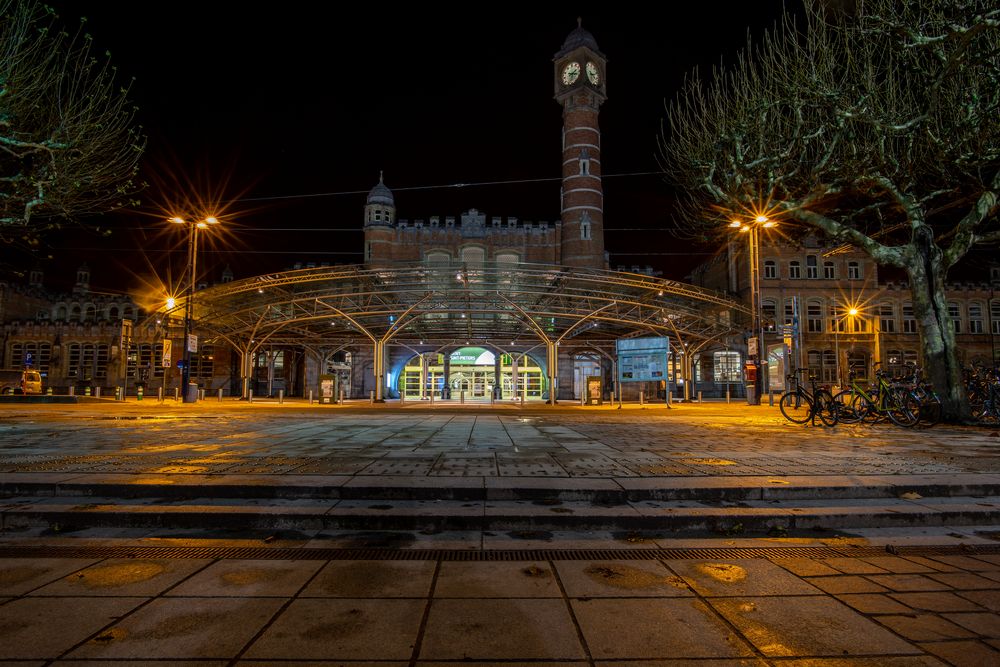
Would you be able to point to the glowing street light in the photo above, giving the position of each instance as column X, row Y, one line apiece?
column 752, row 230
column 193, row 227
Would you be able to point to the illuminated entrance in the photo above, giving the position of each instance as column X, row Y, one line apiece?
column 474, row 371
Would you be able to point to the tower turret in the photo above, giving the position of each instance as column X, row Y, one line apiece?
column 380, row 218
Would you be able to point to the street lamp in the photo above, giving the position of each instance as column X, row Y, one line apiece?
column 752, row 230
column 193, row 227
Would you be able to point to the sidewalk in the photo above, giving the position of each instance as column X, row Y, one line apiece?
column 262, row 534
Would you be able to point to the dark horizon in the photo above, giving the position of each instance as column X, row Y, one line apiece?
column 250, row 104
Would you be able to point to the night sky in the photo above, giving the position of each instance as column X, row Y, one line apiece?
column 307, row 98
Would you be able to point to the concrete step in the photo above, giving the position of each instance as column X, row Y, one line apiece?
column 63, row 514
column 474, row 488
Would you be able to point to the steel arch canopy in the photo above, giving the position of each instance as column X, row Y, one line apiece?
column 427, row 304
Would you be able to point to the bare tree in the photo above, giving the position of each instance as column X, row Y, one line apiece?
column 68, row 144
column 879, row 126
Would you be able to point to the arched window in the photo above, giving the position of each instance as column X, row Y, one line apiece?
column 89, row 313
column 830, row 366
column 955, row 313
column 506, row 258
column 909, row 322
column 113, row 313
column 437, row 257
column 61, row 313
column 975, row 317
column 769, row 311
column 473, row 256
column 886, row 317
column 814, row 316
column 74, row 314
column 857, row 361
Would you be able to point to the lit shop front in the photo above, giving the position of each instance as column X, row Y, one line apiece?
column 474, row 371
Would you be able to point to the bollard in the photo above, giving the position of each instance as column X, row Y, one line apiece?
column 97, row 392
column 220, row 394
column 770, row 398
column 177, row 393
column 583, row 400
column 642, row 397
column 72, row 390
column 491, row 398
column 310, row 397
column 371, row 396
column 670, row 396
column 522, row 400
column 159, row 394
column 138, row 393
column 463, row 397
column 699, row 395
column 341, row 396
column 727, row 393
column 86, row 390
column 402, row 397
column 201, row 394
column 49, row 392
column 432, row 397
column 281, row 397
column 250, row 396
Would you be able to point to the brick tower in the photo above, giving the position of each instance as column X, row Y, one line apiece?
column 580, row 87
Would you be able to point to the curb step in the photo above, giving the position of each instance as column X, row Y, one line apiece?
column 440, row 515
column 504, row 489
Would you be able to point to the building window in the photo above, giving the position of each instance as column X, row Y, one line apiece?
column 203, row 362
column 88, row 361
column 368, row 250
column 837, row 319
column 790, row 315
column 812, row 267
column 585, row 230
column 854, row 271
column 814, row 361
column 727, row 367
column 857, row 361
column 769, row 313
column 770, row 269
column 829, row 271
column 975, row 318
column 995, row 316
column 378, row 215
column 886, row 318
column 794, row 270
column 814, row 316
column 909, row 323
column 41, row 355
column 955, row 313
column 584, row 167
column 894, row 363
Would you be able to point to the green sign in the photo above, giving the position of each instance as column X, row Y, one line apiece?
column 472, row 356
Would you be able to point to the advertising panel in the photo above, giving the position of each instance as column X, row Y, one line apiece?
column 642, row 359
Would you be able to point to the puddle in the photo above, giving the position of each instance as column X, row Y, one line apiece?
column 709, row 462
column 724, row 572
column 117, row 574
column 623, row 576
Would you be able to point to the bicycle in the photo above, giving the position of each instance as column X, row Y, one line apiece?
column 798, row 405
column 902, row 407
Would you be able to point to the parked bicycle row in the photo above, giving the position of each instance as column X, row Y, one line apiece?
column 905, row 401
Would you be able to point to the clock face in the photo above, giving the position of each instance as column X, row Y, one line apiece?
column 570, row 73
column 593, row 73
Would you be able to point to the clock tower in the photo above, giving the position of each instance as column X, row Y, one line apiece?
column 580, row 80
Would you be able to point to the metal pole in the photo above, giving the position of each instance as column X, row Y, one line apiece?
column 281, row 396
column 192, row 259
column 220, row 394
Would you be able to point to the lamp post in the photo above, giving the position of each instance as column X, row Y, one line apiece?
column 193, row 227
column 752, row 230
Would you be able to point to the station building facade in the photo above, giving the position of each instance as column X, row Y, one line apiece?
column 808, row 289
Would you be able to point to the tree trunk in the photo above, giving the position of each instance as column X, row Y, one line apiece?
column 927, row 275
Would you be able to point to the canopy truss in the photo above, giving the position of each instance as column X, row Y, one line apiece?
column 418, row 305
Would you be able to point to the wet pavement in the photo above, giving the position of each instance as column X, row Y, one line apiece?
column 554, row 597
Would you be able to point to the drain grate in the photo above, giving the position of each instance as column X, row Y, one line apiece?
column 382, row 553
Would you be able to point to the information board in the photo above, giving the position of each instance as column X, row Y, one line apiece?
column 642, row 359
